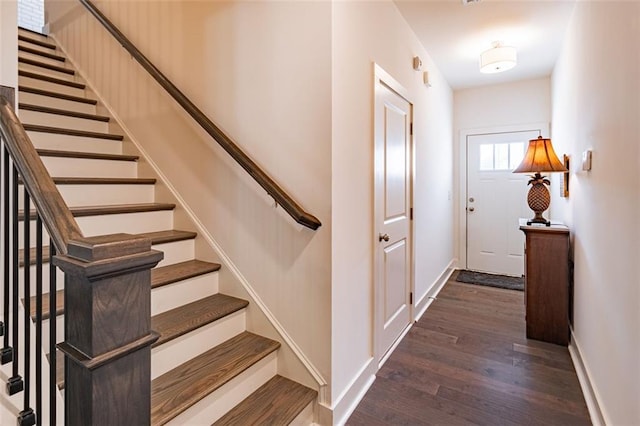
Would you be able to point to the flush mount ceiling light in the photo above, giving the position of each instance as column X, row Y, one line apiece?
column 497, row 59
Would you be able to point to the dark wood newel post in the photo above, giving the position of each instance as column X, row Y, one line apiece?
column 108, row 332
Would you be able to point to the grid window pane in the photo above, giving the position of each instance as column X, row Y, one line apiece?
column 516, row 154
column 501, row 156
column 486, row 157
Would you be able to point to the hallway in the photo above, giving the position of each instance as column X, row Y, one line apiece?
column 467, row 361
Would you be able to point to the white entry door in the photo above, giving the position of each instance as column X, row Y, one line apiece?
column 393, row 223
column 496, row 199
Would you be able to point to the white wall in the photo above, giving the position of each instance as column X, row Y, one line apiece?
column 596, row 105
column 271, row 92
column 9, row 44
column 496, row 106
column 365, row 33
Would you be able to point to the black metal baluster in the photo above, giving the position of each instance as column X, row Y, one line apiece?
column 27, row 417
column 52, row 335
column 6, row 354
column 39, row 389
column 15, row 383
column 2, row 235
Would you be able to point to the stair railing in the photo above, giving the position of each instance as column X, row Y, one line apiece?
column 107, row 345
column 260, row 176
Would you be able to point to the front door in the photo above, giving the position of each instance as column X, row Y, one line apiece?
column 393, row 115
column 496, row 199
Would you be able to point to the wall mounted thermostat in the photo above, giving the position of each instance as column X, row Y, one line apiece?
column 586, row 160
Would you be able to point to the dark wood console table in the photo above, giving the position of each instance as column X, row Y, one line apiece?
column 547, row 282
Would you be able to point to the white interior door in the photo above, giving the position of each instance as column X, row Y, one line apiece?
column 496, row 199
column 393, row 226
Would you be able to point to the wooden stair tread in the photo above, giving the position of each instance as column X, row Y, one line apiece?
column 158, row 237
column 186, row 318
column 40, row 43
column 102, row 181
column 170, row 236
column 62, row 180
column 42, row 92
column 45, row 65
column 165, row 275
column 175, row 391
column 84, row 211
column 43, row 77
column 41, row 53
column 159, row 276
column 71, row 132
column 87, row 155
column 277, row 402
column 28, row 30
column 67, row 113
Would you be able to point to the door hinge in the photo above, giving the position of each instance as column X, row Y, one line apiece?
column 411, row 128
column 411, row 298
column 410, row 213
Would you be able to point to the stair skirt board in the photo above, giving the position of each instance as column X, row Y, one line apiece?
column 53, row 98
column 216, row 404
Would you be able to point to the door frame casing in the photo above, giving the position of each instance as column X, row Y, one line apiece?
column 384, row 78
column 543, row 127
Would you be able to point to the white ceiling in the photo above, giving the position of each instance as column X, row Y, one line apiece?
column 455, row 34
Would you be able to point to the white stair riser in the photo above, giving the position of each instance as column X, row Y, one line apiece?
column 87, row 167
column 171, row 354
column 38, row 47
column 74, row 143
column 36, row 83
column 45, row 279
column 47, row 71
column 43, row 59
column 128, row 223
column 32, row 35
column 62, row 121
column 218, row 403
column 51, row 102
column 59, row 332
column 93, row 195
column 176, row 252
column 180, row 293
column 305, row 418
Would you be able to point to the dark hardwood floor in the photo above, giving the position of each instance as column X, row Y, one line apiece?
column 467, row 361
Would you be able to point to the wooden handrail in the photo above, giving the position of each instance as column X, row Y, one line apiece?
column 55, row 213
column 268, row 184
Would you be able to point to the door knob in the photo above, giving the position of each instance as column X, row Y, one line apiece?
column 383, row 237
column 471, row 209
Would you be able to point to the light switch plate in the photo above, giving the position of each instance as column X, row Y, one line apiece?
column 586, row 160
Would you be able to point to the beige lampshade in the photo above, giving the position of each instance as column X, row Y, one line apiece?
column 540, row 157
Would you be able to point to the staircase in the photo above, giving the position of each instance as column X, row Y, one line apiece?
column 206, row 367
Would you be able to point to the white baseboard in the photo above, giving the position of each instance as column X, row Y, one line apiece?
column 347, row 402
column 426, row 299
column 589, row 392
